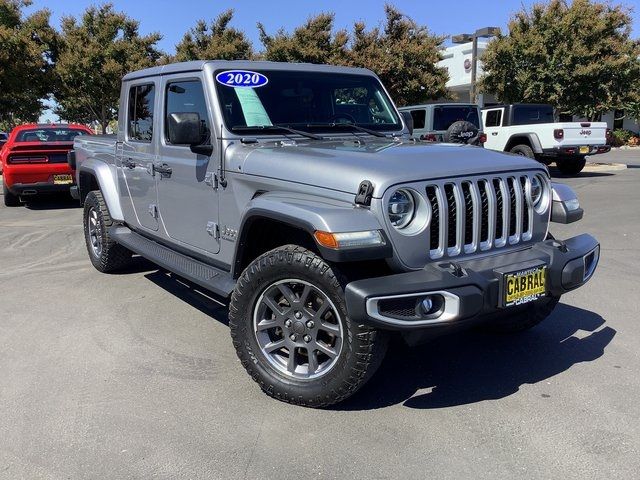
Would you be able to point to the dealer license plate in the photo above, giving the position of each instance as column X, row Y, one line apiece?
column 524, row 286
column 584, row 149
column 62, row 179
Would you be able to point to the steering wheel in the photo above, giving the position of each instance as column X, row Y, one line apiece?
column 346, row 116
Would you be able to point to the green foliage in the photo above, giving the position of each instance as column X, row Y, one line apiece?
column 579, row 57
column 28, row 47
column 96, row 51
column 403, row 53
column 620, row 137
column 217, row 41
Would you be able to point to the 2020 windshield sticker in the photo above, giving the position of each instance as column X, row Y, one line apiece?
column 242, row 79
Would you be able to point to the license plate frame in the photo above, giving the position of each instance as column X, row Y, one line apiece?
column 63, row 179
column 524, row 285
column 584, row 150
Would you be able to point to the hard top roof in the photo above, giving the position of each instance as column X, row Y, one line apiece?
column 199, row 65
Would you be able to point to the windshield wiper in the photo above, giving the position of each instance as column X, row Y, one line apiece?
column 355, row 126
column 277, row 127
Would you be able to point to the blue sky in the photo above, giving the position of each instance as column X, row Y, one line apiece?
column 172, row 19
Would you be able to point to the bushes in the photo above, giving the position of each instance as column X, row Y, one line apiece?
column 622, row 137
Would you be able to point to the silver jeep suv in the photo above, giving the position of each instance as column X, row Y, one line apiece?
column 295, row 192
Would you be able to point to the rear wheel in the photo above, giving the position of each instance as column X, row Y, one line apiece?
column 10, row 200
column 289, row 325
column 524, row 150
column 571, row 166
column 105, row 254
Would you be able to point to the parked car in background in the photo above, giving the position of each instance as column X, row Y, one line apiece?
column 34, row 160
column 531, row 130
column 294, row 191
column 3, row 140
column 447, row 122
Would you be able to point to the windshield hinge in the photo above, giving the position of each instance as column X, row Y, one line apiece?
column 365, row 191
column 211, row 179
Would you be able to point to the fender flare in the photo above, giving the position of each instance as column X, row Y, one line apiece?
column 104, row 175
column 536, row 145
column 309, row 213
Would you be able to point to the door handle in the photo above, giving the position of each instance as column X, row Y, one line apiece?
column 494, row 133
column 163, row 169
column 129, row 163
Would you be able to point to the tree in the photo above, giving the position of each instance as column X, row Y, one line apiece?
column 28, row 48
column 404, row 55
column 579, row 57
column 313, row 42
column 218, row 41
column 95, row 53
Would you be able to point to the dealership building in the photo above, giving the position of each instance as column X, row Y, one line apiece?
column 457, row 60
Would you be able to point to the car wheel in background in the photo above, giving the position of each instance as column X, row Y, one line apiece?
column 571, row 166
column 10, row 200
column 524, row 150
column 105, row 254
column 289, row 325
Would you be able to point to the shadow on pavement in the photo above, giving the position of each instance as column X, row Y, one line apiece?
column 555, row 173
column 204, row 301
column 471, row 367
column 51, row 202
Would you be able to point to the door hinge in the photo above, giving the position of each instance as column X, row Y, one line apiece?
column 213, row 230
column 153, row 210
column 211, row 179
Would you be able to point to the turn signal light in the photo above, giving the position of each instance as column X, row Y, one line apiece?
column 558, row 133
column 482, row 137
column 335, row 241
column 19, row 160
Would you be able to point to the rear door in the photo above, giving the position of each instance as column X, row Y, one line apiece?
column 137, row 153
column 496, row 134
column 187, row 197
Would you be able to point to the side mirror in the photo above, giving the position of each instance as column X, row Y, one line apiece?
column 184, row 128
column 408, row 121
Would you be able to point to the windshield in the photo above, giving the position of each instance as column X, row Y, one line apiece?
column 49, row 135
column 309, row 101
column 444, row 117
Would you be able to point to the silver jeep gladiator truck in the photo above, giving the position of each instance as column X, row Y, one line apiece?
column 296, row 192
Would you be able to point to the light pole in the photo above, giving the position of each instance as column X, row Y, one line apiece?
column 485, row 32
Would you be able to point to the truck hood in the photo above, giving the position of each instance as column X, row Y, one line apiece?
column 343, row 164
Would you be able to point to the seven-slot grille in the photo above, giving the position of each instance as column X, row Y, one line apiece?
column 472, row 215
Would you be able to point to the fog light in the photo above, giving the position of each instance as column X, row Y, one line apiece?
column 427, row 305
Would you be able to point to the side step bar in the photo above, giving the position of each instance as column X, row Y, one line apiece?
column 213, row 279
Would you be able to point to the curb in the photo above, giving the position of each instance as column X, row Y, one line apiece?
column 604, row 167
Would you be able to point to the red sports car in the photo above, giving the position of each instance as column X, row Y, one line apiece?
column 34, row 160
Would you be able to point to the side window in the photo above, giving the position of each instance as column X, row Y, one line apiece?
column 187, row 97
column 140, row 114
column 419, row 117
column 494, row 118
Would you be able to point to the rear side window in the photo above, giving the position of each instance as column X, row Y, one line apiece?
column 140, row 113
column 443, row 117
column 49, row 134
column 493, row 118
column 187, row 97
column 532, row 114
column 419, row 117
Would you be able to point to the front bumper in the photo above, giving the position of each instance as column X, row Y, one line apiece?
column 574, row 150
column 470, row 289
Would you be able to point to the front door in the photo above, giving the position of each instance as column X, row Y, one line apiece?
column 187, row 197
column 137, row 153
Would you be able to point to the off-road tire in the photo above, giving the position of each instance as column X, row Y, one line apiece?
column 363, row 348
column 463, row 132
column 523, row 318
column 524, row 150
column 571, row 166
column 113, row 256
column 10, row 200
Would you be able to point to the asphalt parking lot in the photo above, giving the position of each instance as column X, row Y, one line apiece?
column 134, row 375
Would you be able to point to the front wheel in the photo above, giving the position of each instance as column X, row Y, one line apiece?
column 571, row 166
column 289, row 325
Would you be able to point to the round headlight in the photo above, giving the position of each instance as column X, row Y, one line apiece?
column 402, row 207
column 536, row 190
